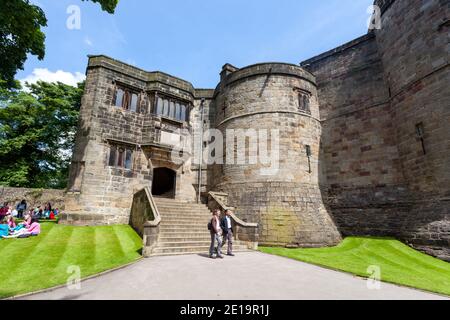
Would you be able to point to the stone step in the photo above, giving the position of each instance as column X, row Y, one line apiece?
column 183, row 210
column 184, row 233
column 182, row 228
column 177, row 203
column 183, row 215
column 179, row 244
column 186, row 223
column 193, row 250
column 190, row 243
column 185, row 220
column 200, row 237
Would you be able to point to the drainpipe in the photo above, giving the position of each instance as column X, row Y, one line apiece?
column 201, row 152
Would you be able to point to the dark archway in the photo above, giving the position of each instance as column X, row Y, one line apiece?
column 164, row 183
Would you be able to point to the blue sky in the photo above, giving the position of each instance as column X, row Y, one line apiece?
column 192, row 39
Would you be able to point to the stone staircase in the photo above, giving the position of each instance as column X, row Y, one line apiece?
column 183, row 229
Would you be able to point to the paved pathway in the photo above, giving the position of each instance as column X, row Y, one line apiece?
column 247, row 276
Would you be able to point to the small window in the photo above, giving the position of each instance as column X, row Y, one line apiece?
column 121, row 157
column 166, row 108
column 134, row 102
column 120, row 160
column 126, row 99
column 169, row 108
column 112, row 156
column 183, row 113
column 119, row 98
column 178, row 111
column 129, row 160
column 159, row 106
column 304, row 102
column 172, row 113
column 308, row 150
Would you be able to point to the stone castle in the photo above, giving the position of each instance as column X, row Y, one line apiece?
column 364, row 138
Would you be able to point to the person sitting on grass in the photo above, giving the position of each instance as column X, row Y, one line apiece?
column 4, row 229
column 3, row 210
column 33, row 230
column 47, row 210
column 24, row 225
column 11, row 221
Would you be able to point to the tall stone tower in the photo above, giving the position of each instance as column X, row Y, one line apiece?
column 286, row 202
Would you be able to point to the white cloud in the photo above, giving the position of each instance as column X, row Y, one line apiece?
column 44, row 74
column 88, row 41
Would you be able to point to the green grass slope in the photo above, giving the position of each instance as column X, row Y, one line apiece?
column 42, row 262
column 399, row 263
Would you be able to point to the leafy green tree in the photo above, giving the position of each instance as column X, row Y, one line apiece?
column 21, row 34
column 37, row 132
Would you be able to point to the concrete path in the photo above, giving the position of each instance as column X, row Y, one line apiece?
column 247, row 276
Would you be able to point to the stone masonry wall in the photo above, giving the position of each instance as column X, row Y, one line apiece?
column 416, row 65
column 104, row 194
column 287, row 204
column 380, row 181
column 34, row 197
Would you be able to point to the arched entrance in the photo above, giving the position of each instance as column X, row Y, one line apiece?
column 164, row 182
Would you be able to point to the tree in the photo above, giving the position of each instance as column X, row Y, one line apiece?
column 37, row 133
column 21, row 34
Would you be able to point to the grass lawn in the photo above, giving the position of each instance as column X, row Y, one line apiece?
column 399, row 263
column 41, row 262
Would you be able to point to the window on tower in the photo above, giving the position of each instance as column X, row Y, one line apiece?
column 304, row 100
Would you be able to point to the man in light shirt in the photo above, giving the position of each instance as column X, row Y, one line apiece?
column 227, row 228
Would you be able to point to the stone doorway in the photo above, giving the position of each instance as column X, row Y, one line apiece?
column 164, row 182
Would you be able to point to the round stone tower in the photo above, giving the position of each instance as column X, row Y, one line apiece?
column 269, row 116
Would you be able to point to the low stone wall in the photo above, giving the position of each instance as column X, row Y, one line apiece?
column 34, row 197
column 393, row 211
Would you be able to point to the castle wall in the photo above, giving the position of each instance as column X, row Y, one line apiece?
column 416, row 66
column 380, row 182
column 360, row 155
column 287, row 203
column 376, row 124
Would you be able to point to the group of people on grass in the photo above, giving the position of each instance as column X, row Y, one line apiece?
column 9, row 228
column 29, row 225
column 40, row 212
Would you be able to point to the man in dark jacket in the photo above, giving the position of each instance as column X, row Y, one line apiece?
column 216, row 235
column 227, row 228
